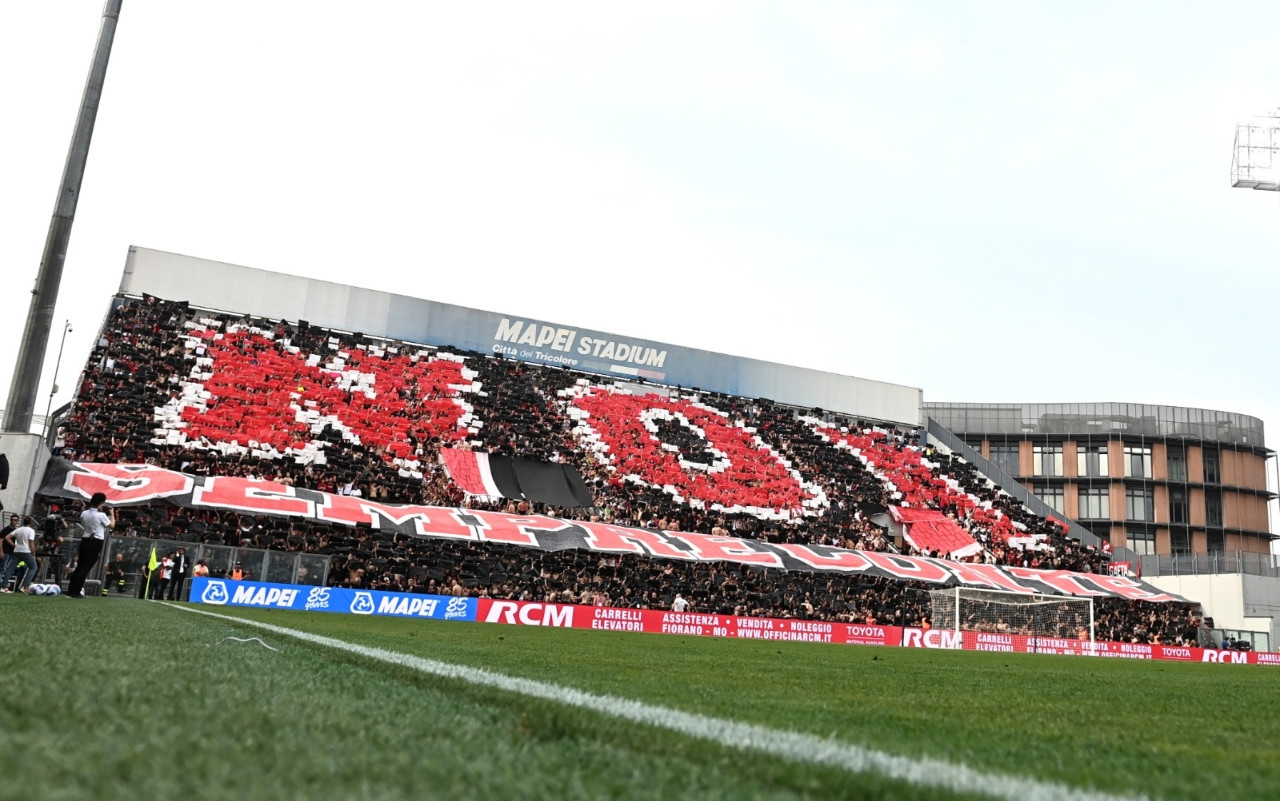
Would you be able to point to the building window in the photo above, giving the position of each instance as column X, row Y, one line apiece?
column 1142, row 543
column 1217, row 541
column 1101, row 530
column 1180, row 541
column 1137, row 462
column 1178, row 505
column 1048, row 460
column 1213, row 507
column 1177, row 463
column 1051, row 495
column 1139, row 504
column 1095, row 503
column 1004, row 455
column 1092, row 461
column 1212, row 475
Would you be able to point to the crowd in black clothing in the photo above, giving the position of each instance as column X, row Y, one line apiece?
column 140, row 366
column 154, row 356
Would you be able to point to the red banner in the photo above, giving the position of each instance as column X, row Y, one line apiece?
column 143, row 484
column 705, row 624
column 696, row 624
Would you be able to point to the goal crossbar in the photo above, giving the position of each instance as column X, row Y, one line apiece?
column 1012, row 613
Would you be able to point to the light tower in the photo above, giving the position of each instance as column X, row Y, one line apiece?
column 44, row 297
column 1256, row 165
column 1256, row 162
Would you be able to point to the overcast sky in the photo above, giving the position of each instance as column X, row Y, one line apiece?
column 992, row 201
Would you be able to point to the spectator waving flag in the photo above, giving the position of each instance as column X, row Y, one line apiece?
column 930, row 530
column 479, row 473
column 473, row 473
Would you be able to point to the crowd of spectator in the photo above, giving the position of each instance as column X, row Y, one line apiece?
column 220, row 394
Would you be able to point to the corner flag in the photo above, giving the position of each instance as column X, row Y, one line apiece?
column 152, row 563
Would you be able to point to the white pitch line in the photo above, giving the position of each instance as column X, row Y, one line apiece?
column 789, row 745
column 258, row 640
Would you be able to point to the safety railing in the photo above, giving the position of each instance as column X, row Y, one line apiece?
column 1208, row 564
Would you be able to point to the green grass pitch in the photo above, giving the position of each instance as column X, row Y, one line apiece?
column 110, row 699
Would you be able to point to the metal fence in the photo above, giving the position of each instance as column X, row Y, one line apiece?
column 1231, row 638
column 1208, row 564
column 1073, row 419
column 279, row 567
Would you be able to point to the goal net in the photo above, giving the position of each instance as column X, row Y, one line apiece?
column 1034, row 617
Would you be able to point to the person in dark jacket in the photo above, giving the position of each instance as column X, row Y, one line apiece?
column 4, row 475
column 116, row 574
column 7, row 543
column 179, row 574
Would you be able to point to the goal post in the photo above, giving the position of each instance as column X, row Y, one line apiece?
column 1058, row 617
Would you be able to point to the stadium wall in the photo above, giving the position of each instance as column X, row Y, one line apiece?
column 229, row 287
column 1234, row 600
column 27, row 455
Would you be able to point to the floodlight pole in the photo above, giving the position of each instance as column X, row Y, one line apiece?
column 44, row 297
column 66, row 329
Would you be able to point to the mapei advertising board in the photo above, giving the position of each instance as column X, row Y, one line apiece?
column 261, row 595
column 225, row 592
column 229, row 287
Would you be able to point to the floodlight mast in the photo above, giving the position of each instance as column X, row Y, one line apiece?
column 35, row 336
column 1256, row 161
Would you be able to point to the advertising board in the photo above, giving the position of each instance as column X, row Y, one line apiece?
column 225, row 592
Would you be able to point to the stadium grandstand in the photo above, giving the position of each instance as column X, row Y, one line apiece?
column 297, row 407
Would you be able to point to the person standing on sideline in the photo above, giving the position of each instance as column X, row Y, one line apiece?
column 24, row 557
column 50, row 533
column 679, row 604
column 116, row 574
column 180, row 568
column 160, row 578
column 145, row 576
column 6, row 563
column 95, row 523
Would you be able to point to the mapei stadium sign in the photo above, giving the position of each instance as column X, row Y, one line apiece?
column 550, row 344
column 214, row 285
column 146, row 484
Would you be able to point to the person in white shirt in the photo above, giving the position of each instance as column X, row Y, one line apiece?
column 23, row 563
column 163, row 575
column 679, row 604
column 95, row 523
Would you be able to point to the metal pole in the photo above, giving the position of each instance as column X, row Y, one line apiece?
column 1092, row 638
column 35, row 336
column 48, row 409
